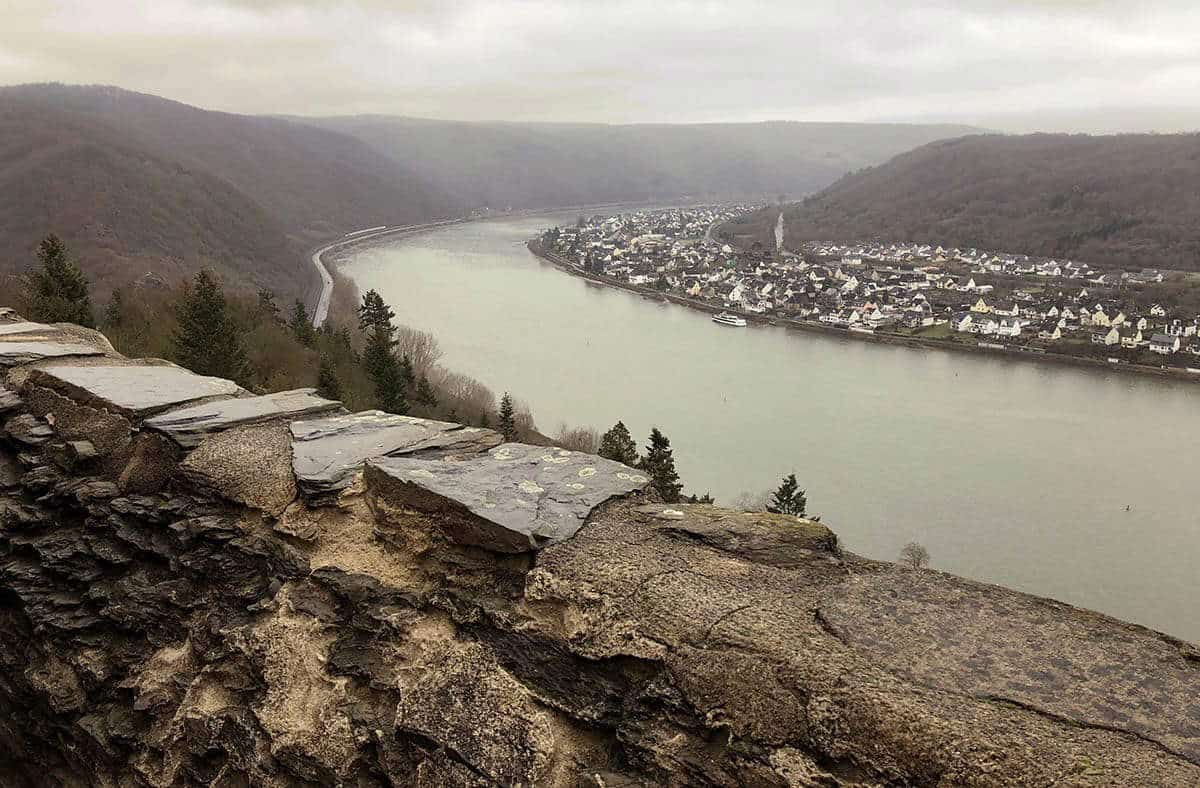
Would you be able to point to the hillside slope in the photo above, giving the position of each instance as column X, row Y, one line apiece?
column 136, row 183
column 1128, row 201
column 533, row 165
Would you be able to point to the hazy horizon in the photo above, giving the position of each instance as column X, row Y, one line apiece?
column 1047, row 65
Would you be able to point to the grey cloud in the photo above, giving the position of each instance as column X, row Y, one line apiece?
column 621, row 60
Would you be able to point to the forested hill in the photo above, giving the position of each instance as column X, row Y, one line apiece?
column 137, row 183
column 1128, row 201
column 535, row 165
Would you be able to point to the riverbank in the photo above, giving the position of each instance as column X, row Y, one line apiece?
column 326, row 269
column 867, row 335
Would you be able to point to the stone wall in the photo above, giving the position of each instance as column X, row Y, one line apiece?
column 203, row 587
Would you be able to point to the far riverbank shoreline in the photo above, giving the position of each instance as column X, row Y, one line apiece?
column 317, row 254
column 1014, row 353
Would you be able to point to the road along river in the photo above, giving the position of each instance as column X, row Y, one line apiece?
column 1071, row 483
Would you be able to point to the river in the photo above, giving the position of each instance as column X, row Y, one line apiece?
column 1071, row 483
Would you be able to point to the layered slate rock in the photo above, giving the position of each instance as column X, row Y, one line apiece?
column 328, row 454
column 190, row 425
column 13, row 353
column 132, row 390
column 513, row 499
column 221, row 630
column 9, row 400
column 25, row 327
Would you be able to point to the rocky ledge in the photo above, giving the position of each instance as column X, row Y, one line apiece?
column 203, row 587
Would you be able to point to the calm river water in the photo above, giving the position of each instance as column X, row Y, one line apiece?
column 1008, row 472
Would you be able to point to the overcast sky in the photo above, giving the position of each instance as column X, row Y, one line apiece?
column 1092, row 64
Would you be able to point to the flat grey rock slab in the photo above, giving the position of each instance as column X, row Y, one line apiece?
column 522, row 497
column 190, row 425
column 327, row 454
column 13, row 353
column 133, row 390
column 25, row 327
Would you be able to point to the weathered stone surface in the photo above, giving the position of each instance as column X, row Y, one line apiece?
column 136, row 390
column 986, row 642
column 28, row 429
column 25, row 327
column 517, row 751
column 250, row 465
column 8, row 399
column 185, row 636
column 13, row 353
column 519, row 497
column 751, row 648
column 10, row 470
column 81, row 451
column 328, row 454
column 190, row 425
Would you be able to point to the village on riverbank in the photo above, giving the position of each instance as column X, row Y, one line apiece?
column 902, row 291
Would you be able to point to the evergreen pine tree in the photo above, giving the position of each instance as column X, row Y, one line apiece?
column 267, row 308
column 789, row 498
column 328, row 385
column 374, row 312
column 617, row 445
column 425, row 393
column 114, row 313
column 659, row 463
column 484, row 421
column 391, row 377
column 207, row 341
column 381, row 365
column 58, row 292
column 301, row 325
column 508, row 423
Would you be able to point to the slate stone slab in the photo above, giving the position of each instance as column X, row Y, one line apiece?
column 522, row 497
column 25, row 327
column 190, row 425
column 28, row 429
column 133, row 390
column 328, row 453
column 13, row 353
column 8, row 399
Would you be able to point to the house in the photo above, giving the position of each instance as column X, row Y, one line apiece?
column 1110, row 337
column 1131, row 336
column 1051, row 331
column 1005, row 308
column 984, row 324
column 1180, row 328
column 1107, row 315
column 961, row 321
column 981, row 306
column 1157, row 310
column 1009, row 327
column 1164, row 345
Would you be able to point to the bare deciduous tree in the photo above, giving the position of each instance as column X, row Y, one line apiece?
column 752, row 501
column 584, row 439
column 914, row 555
column 420, row 347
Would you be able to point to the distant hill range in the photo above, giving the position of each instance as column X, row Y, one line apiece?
column 541, row 165
column 139, row 184
column 1127, row 201
column 136, row 183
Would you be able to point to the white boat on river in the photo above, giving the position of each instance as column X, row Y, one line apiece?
column 727, row 319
